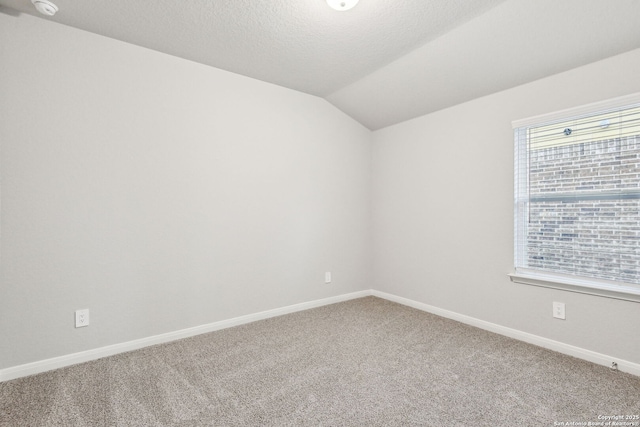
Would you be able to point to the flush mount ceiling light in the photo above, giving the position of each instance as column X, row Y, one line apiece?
column 45, row 7
column 342, row 4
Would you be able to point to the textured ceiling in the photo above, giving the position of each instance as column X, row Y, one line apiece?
column 383, row 61
column 515, row 43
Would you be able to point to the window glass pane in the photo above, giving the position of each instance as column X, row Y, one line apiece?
column 578, row 196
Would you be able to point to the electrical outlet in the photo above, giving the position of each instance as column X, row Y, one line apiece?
column 558, row 310
column 327, row 277
column 82, row 318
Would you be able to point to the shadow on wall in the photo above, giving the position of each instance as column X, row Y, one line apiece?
column 8, row 11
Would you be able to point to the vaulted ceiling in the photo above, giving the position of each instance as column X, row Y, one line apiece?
column 381, row 62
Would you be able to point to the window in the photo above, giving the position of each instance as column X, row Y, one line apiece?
column 577, row 199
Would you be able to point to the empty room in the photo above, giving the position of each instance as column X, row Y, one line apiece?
column 319, row 213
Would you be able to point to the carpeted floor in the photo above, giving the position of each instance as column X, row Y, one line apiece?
column 365, row 362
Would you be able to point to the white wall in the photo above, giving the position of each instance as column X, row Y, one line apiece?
column 163, row 194
column 443, row 212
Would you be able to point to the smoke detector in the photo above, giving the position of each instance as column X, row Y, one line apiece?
column 45, row 7
column 342, row 4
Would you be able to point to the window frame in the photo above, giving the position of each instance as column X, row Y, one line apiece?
column 566, row 282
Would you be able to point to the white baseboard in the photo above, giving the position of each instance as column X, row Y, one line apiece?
column 560, row 347
column 86, row 356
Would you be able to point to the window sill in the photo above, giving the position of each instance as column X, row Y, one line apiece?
column 621, row 292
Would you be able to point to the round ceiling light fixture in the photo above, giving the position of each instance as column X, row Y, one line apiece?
column 45, row 7
column 342, row 5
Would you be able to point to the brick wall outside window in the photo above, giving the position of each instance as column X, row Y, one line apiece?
column 585, row 236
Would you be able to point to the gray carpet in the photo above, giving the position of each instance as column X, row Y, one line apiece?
column 366, row 362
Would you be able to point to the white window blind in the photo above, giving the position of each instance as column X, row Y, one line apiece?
column 577, row 196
